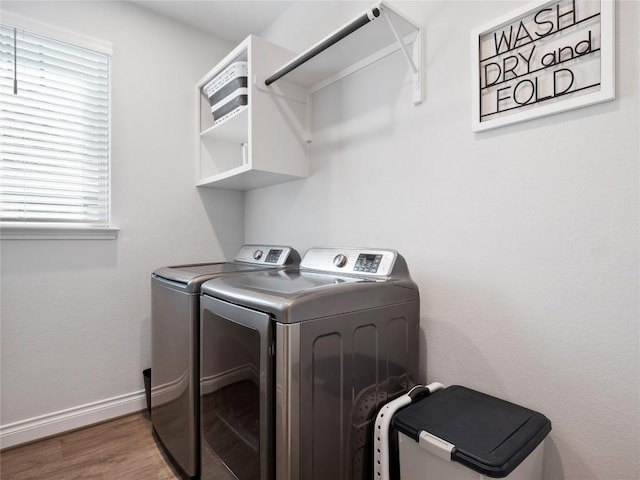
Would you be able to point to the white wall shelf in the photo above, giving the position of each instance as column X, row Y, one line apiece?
column 266, row 143
column 262, row 144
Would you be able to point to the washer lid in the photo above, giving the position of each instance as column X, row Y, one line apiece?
column 288, row 283
column 293, row 296
column 199, row 271
column 490, row 436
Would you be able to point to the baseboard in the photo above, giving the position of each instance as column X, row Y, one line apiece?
column 70, row 419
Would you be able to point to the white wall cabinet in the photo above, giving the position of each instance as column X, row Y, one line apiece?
column 265, row 142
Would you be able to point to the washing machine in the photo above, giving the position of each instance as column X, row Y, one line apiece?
column 295, row 364
column 175, row 313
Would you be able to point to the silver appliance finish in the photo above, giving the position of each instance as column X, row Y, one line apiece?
column 175, row 314
column 296, row 363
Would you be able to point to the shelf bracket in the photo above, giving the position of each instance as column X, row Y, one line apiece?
column 403, row 47
column 415, row 63
column 418, row 80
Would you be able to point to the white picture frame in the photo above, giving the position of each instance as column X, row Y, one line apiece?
column 543, row 58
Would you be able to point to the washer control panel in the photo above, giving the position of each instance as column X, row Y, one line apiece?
column 354, row 261
column 263, row 255
column 368, row 263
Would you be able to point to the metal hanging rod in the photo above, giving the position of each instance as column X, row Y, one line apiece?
column 335, row 38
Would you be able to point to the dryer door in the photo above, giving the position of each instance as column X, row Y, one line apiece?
column 236, row 390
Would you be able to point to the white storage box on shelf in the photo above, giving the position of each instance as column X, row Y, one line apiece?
column 456, row 433
column 227, row 92
column 249, row 137
column 230, row 75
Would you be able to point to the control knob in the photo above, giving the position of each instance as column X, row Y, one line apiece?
column 257, row 255
column 340, row 260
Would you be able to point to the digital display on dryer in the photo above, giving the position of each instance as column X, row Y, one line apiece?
column 367, row 263
column 273, row 256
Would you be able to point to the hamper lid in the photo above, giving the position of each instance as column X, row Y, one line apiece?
column 490, row 436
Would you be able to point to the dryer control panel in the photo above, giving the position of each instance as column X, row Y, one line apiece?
column 352, row 261
column 264, row 255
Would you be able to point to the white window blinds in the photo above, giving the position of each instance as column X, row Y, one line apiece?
column 54, row 131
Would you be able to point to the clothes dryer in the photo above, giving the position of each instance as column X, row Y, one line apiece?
column 296, row 363
column 175, row 313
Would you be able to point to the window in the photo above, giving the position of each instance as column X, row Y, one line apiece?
column 54, row 132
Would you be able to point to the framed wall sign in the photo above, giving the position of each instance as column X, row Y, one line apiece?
column 544, row 58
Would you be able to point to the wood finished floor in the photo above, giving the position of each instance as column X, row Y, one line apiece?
column 121, row 449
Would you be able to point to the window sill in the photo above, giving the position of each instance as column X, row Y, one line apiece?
column 11, row 232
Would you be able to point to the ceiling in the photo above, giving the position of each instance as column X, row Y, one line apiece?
column 230, row 20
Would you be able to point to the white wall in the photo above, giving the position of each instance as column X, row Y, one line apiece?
column 76, row 314
column 523, row 240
